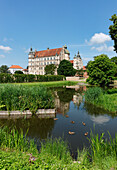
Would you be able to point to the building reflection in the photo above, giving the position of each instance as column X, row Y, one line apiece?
column 63, row 97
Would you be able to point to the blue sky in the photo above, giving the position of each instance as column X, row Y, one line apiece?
column 81, row 24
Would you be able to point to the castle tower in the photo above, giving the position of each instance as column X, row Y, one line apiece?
column 77, row 64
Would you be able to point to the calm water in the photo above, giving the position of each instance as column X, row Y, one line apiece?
column 69, row 101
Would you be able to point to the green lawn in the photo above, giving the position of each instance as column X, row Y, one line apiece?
column 48, row 84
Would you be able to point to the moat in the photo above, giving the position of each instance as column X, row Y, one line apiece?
column 70, row 106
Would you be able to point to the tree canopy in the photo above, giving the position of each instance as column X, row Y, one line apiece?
column 4, row 69
column 101, row 71
column 114, row 59
column 50, row 69
column 18, row 72
column 66, row 68
column 113, row 30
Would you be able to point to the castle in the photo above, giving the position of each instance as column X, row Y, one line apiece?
column 38, row 60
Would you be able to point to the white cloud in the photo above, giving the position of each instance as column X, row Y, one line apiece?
column 6, row 49
column 2, row 56
column 103, row 48
column 98, row 38
column 100, row 119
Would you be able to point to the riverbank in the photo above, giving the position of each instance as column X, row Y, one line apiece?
column 54, row 154
column 47, row 84
column 106, row 99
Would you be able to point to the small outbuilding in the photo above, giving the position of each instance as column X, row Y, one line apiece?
column 14, row 68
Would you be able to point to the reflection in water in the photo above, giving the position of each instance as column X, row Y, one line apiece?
column 37, row 128
column 96, row 111
column 100, row 119
column 64, row 96
column 68, row 101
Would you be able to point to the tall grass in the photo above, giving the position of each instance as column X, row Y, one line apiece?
column 22, row 98
column 100, row 98
column 54, row 154
column 13, row 139
column 58, row 148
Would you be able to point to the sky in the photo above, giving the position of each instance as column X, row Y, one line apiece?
column 83, row 25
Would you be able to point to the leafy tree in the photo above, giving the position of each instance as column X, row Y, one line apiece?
column 66, row 68
column 113, row 30
column 4, row 69
column 50, row 69
column 80, row 72
column 114, row 59
column 18, row 72
column 101, row 71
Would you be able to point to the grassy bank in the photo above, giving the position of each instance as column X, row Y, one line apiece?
column 54, row 154
column 49, row 84
column 101, row 98
column 21, row 98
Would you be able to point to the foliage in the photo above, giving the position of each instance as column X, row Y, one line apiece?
column 114, row 59
column 54, row 154
column 99, row 98
column 93, row 93
column 66, row 68
column 4, row 69
column 111, row 91
column 23, row 98
column 22, row 78
column 18, row 72
column 80, row 72
column 113, row 30
column 101, row 71
column 50, row 69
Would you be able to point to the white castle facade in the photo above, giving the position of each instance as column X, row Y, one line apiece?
column 38, row 60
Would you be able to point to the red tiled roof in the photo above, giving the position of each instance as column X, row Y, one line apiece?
column 25, row 69
column 84, row 68
column 72, row 61
column 48, row 52
column 16, row 66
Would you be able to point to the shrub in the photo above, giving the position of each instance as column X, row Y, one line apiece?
column 93, row 93
column 21, row 78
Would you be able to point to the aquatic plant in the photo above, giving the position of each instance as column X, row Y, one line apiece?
column 21, row 98
column 100, row 98
column 54, row 153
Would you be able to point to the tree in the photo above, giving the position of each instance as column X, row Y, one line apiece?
column 101, row 71
column 4, row 69
column 18, row 72
column 114, row 59
column 66, row 68
column 50, row 69
column 113, row 30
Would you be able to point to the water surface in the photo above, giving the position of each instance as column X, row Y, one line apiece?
column 69, row 101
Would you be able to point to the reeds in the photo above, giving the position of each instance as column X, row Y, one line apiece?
column 54, row 153
column 100, row 98
column 21, row 98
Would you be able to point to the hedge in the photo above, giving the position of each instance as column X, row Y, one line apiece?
column 22, row 78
